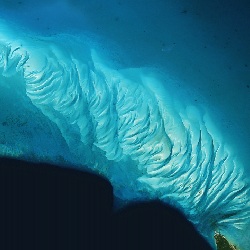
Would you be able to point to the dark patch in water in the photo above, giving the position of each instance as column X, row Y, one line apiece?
column 47, row 207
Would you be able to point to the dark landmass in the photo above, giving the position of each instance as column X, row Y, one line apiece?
column 222, row 243
column 51, row 208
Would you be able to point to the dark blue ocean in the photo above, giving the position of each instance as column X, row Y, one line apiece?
column 153, row 96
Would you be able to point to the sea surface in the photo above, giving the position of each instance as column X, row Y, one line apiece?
column 199, row 50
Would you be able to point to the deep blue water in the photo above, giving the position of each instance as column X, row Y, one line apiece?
column 46, row 207
column 152, row 95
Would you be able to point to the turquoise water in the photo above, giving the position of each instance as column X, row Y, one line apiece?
column 153, row 95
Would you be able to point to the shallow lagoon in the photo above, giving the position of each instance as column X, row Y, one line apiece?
column 203, row 49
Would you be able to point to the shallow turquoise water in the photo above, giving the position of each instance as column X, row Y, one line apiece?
column 198, row 53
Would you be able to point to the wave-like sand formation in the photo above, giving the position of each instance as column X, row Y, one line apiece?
column 125, row 125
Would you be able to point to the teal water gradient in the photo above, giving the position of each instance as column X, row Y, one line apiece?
column 146, row 102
